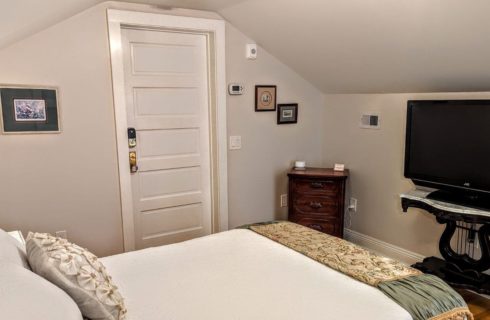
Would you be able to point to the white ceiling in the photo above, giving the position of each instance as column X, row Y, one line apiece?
column 344, row 46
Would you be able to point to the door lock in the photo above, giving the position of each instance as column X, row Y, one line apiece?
column 133, row 163
column 131, row 137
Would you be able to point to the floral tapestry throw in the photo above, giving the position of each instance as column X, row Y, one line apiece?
column 424, row 296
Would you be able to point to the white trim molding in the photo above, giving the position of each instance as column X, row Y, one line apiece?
column 215, row 30
column 387, row 249
column 383, row 248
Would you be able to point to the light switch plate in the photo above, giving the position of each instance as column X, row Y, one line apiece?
column 235, row 142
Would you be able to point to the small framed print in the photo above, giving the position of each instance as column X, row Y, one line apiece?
column 287, row 113
column 265, row 98
column 29, row 110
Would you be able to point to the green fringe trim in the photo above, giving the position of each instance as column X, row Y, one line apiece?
column 424, row 296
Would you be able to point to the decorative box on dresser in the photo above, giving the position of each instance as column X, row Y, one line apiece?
column 317, row 199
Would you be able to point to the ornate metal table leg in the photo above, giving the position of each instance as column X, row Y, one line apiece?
column 463, row 260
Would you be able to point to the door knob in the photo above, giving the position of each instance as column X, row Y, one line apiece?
column 133, row 162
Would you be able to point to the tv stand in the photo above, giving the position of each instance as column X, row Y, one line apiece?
column 469, row 231
column 466, row 199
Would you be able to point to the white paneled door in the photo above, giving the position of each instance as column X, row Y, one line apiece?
column 167, row 103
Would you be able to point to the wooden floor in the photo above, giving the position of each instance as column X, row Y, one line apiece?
column 479, row 306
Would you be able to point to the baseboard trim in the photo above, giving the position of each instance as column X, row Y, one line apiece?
column 383, row 248
column 386, row 249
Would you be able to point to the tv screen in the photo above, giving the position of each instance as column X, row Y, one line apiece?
column 448, row 144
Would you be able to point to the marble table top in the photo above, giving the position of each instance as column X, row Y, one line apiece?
column 421, row 195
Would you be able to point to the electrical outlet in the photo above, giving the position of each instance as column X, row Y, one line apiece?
column 284, row 200
column 61, row 234
column 353, row 204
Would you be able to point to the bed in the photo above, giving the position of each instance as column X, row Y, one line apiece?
column 238, row 274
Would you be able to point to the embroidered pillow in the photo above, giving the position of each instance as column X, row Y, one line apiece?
column 79, row 273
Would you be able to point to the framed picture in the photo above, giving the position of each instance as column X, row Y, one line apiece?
column 287, row 113
column 29, row 110
column 265, row 98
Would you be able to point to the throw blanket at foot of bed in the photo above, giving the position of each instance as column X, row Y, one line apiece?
column 423, row 296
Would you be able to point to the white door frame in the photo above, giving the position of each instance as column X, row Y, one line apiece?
column 215, row 31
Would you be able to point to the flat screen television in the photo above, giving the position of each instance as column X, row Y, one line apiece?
column 448, row 148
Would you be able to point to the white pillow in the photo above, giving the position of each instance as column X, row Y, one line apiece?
column 79, row 273
column 26, row 296
column 12, row 251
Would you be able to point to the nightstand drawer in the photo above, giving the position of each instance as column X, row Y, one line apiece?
column 320, row 187
column 317, row 199
column 321, row 205
column 330, row 226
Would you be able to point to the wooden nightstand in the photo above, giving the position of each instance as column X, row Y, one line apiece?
column 317, row 198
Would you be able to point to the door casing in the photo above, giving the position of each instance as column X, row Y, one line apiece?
column 215, row 33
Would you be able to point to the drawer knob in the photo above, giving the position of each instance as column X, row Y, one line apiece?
column 317, row 185
column 316, row 227
column 315, row 205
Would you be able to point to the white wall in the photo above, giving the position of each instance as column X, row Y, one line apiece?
column 376, row 159
column 69, row 181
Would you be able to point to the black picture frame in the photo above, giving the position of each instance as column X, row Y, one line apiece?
column 29, row 110
column 271, row 91
column 291, row 108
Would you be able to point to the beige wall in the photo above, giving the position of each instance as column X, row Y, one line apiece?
column 376, row 159
column 257, row 172
column 66, row 181
column 69, row 181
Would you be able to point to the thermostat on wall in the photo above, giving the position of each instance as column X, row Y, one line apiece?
column 235, row 89
column 370, row 121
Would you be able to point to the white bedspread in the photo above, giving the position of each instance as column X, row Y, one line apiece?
column 240, row 275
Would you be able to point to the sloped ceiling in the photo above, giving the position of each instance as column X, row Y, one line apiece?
column 340, row 46
column 20, row 18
